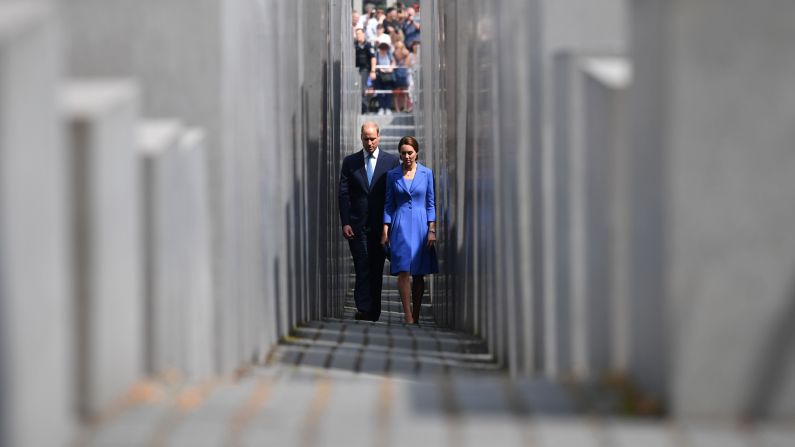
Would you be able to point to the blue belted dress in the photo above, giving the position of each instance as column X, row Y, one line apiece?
column 408, row 208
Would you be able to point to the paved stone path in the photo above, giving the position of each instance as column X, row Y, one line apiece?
column 340, row 382
column 281, row 405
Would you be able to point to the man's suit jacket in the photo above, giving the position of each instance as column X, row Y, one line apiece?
column 362, row 204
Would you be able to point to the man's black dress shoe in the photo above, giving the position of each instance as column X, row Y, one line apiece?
column 364, row 316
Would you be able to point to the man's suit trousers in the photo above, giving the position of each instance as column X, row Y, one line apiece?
column 368, row 261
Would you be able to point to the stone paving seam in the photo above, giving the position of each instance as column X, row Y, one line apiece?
column 415, row 353
column 163, row 397
column 357, row 365
column 520, row 411
column 136, row 395
column 452, row 414
column 340, row 337
column 300, row 358
column 243, row 416
column 518, row 405
column 388, row 364
column 309, row 436
column 183, row 402
column 386, row 395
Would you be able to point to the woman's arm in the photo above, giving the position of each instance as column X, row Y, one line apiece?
column 430, row 199
column 385, row 234
column 430, row 207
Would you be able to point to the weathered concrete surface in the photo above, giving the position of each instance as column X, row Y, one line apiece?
column 35, row 331
column 108, row 248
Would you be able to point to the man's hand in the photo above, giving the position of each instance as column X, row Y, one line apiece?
column 347, row 232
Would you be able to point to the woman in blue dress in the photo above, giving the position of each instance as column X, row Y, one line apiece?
column 410, row 226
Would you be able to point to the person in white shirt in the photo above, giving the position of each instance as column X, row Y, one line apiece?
column 362, row 20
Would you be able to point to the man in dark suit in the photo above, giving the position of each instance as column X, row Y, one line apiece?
column 361, row 201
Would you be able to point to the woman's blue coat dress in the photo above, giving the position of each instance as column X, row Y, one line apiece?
column 408, row 209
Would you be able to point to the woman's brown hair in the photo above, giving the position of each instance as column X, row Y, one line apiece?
column 411, row 141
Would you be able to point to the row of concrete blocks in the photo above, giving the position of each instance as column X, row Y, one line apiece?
column 546, row 213
column 105, row 269
column 592, row 324
column 674, row 191
column 641, row 217
column 141, row 242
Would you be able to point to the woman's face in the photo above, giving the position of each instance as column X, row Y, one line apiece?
column 408, row 155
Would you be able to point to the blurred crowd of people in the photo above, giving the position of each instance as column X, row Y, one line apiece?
column 387, row 44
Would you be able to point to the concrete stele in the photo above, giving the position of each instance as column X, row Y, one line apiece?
column 108, row 280
column 35, row 360
column 157, row 142
column 606, row 80
column 586, row 136
column 196, row 255
column 713, row 123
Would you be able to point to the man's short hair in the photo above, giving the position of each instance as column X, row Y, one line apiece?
column 374, row 124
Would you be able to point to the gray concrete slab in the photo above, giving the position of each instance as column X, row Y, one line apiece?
column 352, row 415
column 566, row 432
column 417, row 415
column 354, row 336
column 373, row 362
column 709, row 436
column 136, row 426
column 606, row 84
column 625, row 434
column 546, row 397
column 721, row 273
column 769, row 435
column 401, row 365
column 283, row 418
column 211, row 422
column 101, row 116
column 345, row 359
column 36, row 355
column 317, row 357
column 196, row 251
column 157, row 143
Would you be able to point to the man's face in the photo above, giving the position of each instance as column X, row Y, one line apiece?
column 360, row 36
column 370, row 138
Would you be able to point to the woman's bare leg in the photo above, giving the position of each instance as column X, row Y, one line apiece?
column 404, row 287
column 417, row 289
